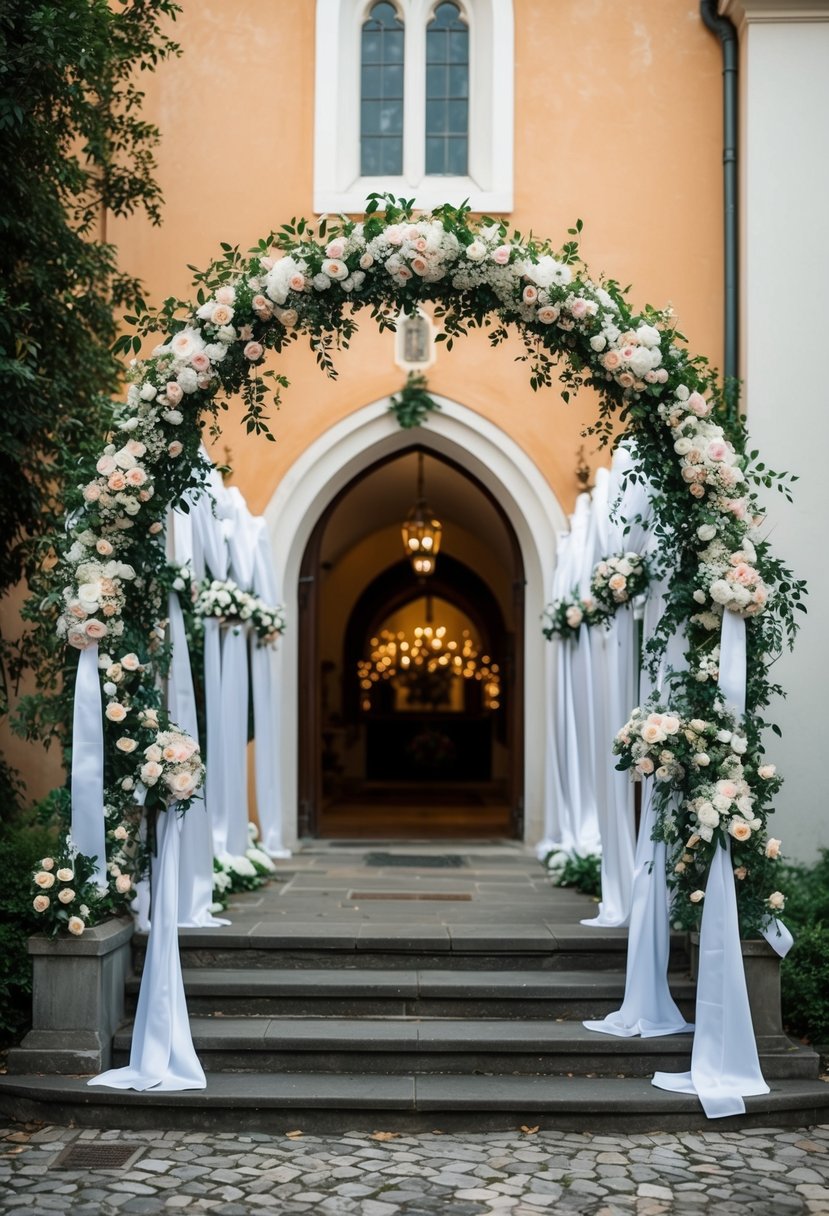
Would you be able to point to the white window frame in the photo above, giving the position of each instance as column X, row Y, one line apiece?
column 338, row 185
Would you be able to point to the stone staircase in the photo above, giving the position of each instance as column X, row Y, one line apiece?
column 416, row 1001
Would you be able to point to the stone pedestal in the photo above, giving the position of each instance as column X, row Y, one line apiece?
column 762, row 970
column 77, row 1001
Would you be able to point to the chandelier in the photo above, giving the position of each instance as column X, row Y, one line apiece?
column 428, row 659
column 421, row 531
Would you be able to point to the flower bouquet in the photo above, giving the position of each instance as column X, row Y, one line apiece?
column 618, row 580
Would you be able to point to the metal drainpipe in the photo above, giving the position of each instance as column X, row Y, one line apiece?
column 727, row 34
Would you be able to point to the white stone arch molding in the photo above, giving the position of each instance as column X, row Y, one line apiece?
column 338, row 186
column 338, row 456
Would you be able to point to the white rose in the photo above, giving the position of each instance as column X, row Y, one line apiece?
column 648, row 335
column 174, row 417
column 721, row 591
column 598, row 343
column 738, row 745
column 148, row 391
column 708, row 816
column 187, row 380
column 683, row 445
column 476, row 252
column 640, row 361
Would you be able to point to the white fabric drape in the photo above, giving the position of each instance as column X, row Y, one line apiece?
column 210, row 556
column 648, row 1009
column 582, row 757
column 87, row 817
column 162, row 1055
column 725, row 1067
column 559, row 827
column 613, row 653
column 266, row 706
column 195, row 894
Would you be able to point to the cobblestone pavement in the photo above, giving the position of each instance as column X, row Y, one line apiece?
column 524, row 1173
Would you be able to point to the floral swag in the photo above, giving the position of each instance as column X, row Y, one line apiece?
column 312, row 281
column 616, row 580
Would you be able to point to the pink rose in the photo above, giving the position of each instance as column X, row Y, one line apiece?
column 335, row 249
column 40, row 903
column 403, row 274
column 254, row 351
column 696, row 896
column 109, row 610
column 135, row 477
column 226, row 295
column 501, row 255
column 297, row 282
column 92, row 492
column 421, row 244
column 222, row 314
column 130, row 662
column 261, row 303
column 116, row 481
column 266, row 263
column 115, row 712
column 547, row 314
column 394, row 235
column 739, row 829
column 155, row 528
column 366, row 261
column 150, row 772
column 698, row 405
column 773, row 848
column 766, row 771
column 200, row 362
column 697, row 490
column 419, row 265
column 174, row 449
column 627, row 352
column 44, row 880
column 95, row 630
column 529, row 294
column 727, row 788
column 717, row 449
column 173, row 392
column 611, row 361
column 123, row 883
column 103, row 547
column 105, row 465
column 625, row 380
column 578, row 307
column 75, row 926
column 645, row 766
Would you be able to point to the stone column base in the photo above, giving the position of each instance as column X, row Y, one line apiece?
column 77, row 1000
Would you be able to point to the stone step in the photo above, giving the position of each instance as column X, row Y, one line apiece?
column 355, row 993
column 279, row 1102
column 423, row 1046
column 320, row 944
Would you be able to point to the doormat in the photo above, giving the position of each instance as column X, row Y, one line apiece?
column 425, row 861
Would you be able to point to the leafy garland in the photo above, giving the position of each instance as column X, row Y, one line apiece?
column 565, row 617
column 313, row 281
column 413, row 404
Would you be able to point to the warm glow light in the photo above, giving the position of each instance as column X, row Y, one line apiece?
column 428, row 650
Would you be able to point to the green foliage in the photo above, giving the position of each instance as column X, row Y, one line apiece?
column 804, row 978
column 74, row 148
column 804, row 972
column 584, row 872
column 21, row 847
column 412, row 405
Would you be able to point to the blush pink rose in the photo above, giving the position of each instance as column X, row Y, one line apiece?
column 200, row 362
column 611, row 361
column 625, row 379
column 547, row 314
column 419, row 265
column 116, row 481
column 578, row 308
column 222, row 314
column 335, row 249
column 297, row 282
column 529, row 294
column 92, row 492
column 698, row 405
column 103, row 547
column 500, row 256
column 105, row 465
column 95, row 630
column 135, row 477
column 717, row 449
column 173, row 392
column 174, row 449
column 226, row 295
column 254, row 351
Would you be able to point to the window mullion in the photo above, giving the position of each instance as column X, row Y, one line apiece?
column 414, row 120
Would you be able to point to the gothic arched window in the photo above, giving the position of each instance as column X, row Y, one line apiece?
column 447, row 92
column 381, row 92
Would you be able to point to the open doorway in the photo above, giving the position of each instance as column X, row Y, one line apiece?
column 411, row 689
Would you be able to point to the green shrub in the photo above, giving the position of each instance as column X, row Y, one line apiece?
column 22, row 844
column 574, row 870
column 804, row 981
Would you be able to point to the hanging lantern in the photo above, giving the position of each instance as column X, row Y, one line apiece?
column 421, row 531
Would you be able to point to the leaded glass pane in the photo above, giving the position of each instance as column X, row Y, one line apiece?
column 381, row 92
column 447, row 92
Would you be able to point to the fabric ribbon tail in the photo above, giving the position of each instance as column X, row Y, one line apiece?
column 725, row 1067
column 87, row 822
column 732, row 678
column 162, row 1056
column 777, row 936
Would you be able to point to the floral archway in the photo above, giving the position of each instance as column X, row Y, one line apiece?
column 312, row 281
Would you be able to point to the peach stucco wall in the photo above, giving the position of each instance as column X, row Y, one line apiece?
column 618, row 121
column 618, row 118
